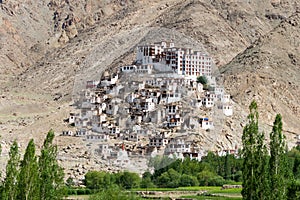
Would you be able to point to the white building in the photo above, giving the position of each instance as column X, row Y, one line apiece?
column 177, row 146
column 182, row 61
column 144, row 69
column 219, row 91
column 81, row 132
column 227, row 109
column 153, row 53
column 97, row 138
column 189, row 63
column 208, row 102
column 128, row 69
column 67, row 133
column 170, row 97
column 206, row 124
column 109, row 80
column 225, row 98
column 158, row 141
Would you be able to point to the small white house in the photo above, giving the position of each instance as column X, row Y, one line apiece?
column 127, row 69
column 144, row 69
column 81, row 132
column 158, row 141
column 219, row 91
column 198, row 103
column 114, row 130
column 207, row 124
column 72, row 118
column 208, row 102
column 225, row 98
column 67, row 133
column 177, row 146
column 97, row 138
column 227, row 110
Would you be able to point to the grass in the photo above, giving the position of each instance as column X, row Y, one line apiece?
column 210, row 189
column 212, row 197
column 212, row 192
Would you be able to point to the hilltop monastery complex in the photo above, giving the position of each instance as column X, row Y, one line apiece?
column 152, row 107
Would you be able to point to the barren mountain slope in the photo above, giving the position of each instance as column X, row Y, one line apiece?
column 23, row 33
column 110, row 38
column 29, row 29
column 269, row 71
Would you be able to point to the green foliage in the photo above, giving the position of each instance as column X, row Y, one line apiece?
column 70, row 182
column 146, row 181
column 28, row 179
column 264, row 176
column 33, row 178
column 278, row 161
column 171, row 179
column 129, row 180
column 202, row 79
column 208, row 178
column 114, row 193
column 188, row 180
column 254, row 153
column 206, row 197
column 214, row 170
column 294, row 161
column 97, row 180
column 10, row 189
column 51, row 174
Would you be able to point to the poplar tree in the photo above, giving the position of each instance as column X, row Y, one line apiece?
column 51, row 174
column 254, row 153
column 278, row 161
column 28, row 178
column 12, row 171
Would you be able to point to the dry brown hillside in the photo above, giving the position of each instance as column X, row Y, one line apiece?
column 269, row 71
column 48, row 47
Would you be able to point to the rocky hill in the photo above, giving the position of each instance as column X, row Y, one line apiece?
column 49, row 47
column 268, row 71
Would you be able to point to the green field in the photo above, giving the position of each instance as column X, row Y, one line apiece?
column 210, row 192
column 210, row 189
column 212, row 197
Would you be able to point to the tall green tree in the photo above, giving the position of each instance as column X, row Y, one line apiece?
column 254, row 153
column 227, row 167
column 50, row 173
column 278, row 161
column 28, row 178
column 12, row 171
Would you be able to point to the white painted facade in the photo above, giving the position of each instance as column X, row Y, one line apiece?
column 208, row 102
column 97, row 138
column 177, row 146
column 205, row 124
column 227, row 110
column 182, row 61
column 225, row 98
column 158, row 141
